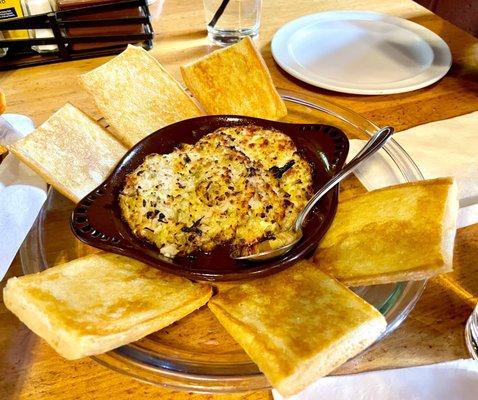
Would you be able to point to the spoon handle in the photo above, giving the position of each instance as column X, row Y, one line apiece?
column 375, row 143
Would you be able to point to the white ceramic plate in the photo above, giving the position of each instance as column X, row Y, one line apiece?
column 361, row 52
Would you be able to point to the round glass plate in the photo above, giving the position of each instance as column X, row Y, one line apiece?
column 196, row 353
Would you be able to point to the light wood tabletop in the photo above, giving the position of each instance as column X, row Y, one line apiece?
column 433, row 332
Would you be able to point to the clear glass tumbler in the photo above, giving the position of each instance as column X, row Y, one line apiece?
column 228, row 21
column 471, row 333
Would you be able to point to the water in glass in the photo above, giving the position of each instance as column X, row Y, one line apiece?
column 239, row 18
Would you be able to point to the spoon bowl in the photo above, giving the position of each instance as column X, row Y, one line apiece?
column 272, row 253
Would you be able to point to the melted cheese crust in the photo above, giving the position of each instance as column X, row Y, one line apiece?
column 227, row 188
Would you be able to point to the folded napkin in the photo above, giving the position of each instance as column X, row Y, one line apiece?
column 22, row 192
column 455, row 380
column 442, row 148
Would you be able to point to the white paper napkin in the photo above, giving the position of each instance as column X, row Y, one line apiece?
column 442, row 148
column 22, row 192
column 455, row 380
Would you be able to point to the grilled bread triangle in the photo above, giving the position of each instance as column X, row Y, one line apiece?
column 297, row 325
column 137, row 96
column 235, row 80
column 99, row 302
column 70, row 151
column 399, row 233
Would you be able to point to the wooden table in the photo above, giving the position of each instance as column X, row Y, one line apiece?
column 434, row 330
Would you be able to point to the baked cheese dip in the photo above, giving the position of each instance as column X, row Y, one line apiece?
column 240, row 185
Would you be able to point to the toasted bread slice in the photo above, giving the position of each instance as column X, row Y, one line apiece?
column 99, row 302
column 399, row 233
column 297, row 325
column 137, row 96
column 3, row 102
column 70, row 151
column 235, row 80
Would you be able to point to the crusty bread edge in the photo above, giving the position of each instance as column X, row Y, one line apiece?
column 3, row 102
column 240, row 331
column 439, row 266
column 74, row 347
column 325, row 362
column 38, row 168
column 124, row 138
column 190, row 85
column 449, row 224
column 315, row 368
column 426, row 182
column 411, row 275
column 281, row 108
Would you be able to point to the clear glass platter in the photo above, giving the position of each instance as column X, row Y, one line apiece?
column 196, row 353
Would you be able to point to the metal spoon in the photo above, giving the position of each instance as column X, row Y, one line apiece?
column 373, row 145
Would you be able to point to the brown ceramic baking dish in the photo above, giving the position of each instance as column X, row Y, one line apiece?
column 97, row 220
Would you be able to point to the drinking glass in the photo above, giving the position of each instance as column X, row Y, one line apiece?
column 471, row 333
column 228, row 21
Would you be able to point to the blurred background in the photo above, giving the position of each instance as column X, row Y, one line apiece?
column 462, row 13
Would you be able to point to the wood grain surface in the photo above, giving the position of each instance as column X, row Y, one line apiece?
column 434, row 330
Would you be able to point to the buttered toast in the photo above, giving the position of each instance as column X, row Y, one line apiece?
column 99, row 302
column 70, row 151
column 297, row 325
column 137, row 96
column 399, row 233
column 3, row 102
column 235, row 80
